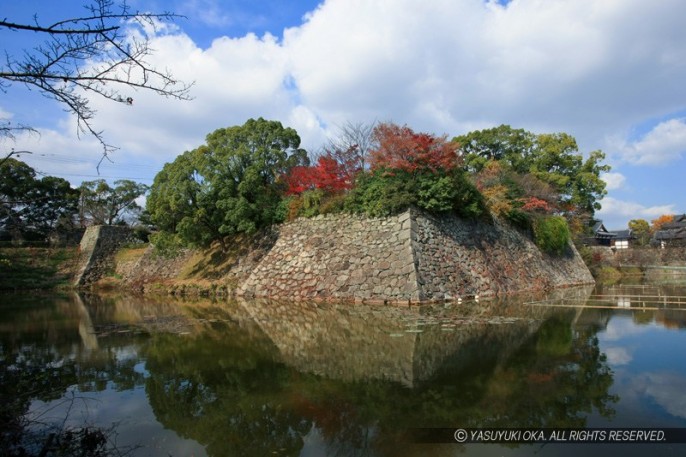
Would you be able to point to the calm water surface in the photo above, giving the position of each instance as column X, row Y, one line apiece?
column 261, row 378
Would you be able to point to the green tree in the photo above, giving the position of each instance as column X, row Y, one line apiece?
column 17, row 180
column 230, row 185
column 551, row 234
column 102, row 204
column 33, row 208
column 640, row 229
column 502, row 143
column 53, row 205
column 174, row 203
column 552, row 158
column 413, row 169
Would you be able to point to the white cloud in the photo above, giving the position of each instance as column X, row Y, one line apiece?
column 665, row 143
column 209, row 12
column 613, row 208
column 613, row 181
column 445, row 66
column 618, row 356
column 5, row 115
column 664, row 388
column 621, row 327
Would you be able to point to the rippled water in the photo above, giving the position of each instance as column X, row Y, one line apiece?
column 168, row 377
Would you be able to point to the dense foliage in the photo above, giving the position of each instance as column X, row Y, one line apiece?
column 32, row 208
column 250, row 176
column 413, row 169
column 551, row 234
column 640, row 230
column 102, row 204
column 229, row 185
column 551, row 158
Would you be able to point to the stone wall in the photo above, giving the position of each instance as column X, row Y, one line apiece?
column 457, row 258
column 339, row 257
column 407, row 258
column 640, row 257
column 96, row 251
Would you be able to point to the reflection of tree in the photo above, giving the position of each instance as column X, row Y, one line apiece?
column 554, row 380
column 230, row 388
column 30, row 371
column 228, row 392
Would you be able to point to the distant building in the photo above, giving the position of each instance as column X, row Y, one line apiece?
column 601, row 236
column 672, row 233
column 618, row 239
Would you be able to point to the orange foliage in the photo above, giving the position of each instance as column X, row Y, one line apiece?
column 400, row 148
column 660, row 221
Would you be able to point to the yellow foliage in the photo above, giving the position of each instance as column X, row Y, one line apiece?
column 497, row 200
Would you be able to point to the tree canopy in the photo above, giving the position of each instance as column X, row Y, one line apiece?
column 246, row 177
column 552, row 158
column 409, row 168
column 640, row 230
column 32, row 208
column 232, row 184
column 102, row 204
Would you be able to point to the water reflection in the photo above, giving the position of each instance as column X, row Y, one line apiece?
column 274, row 378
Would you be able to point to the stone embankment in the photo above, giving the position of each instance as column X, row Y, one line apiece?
column 96, row 251
column 455, row 257
column 411, row 257
column 339, row 257
column 644, row 257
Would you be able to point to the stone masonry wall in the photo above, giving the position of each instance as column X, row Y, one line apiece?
column 98, row 245
column 338, row 257
column 457, row 258
column 411, row 257
column 641, row 257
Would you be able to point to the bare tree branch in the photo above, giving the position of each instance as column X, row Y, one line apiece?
column 353, row 138
column 91, row 55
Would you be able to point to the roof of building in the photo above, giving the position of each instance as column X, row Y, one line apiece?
column 622, row 234
column 600, row 232
column 671, row 234
column 675, row 230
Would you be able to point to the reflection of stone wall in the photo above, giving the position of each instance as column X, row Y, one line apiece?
column 410, row 257
column 337, row 341
column 401, row 344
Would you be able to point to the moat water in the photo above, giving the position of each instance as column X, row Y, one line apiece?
column 261, row 378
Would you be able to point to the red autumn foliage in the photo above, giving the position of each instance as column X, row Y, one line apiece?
column 536, row 205
column 400, row 148
column 350, row 159
column 328, row 175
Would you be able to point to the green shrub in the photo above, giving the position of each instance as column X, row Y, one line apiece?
column 519, row 219
column 380, row 194
column 387, row 192
column 311, row 201
column 551, row 234
column 166, row 244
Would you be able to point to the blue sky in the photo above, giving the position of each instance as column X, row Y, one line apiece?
column 611, row 73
